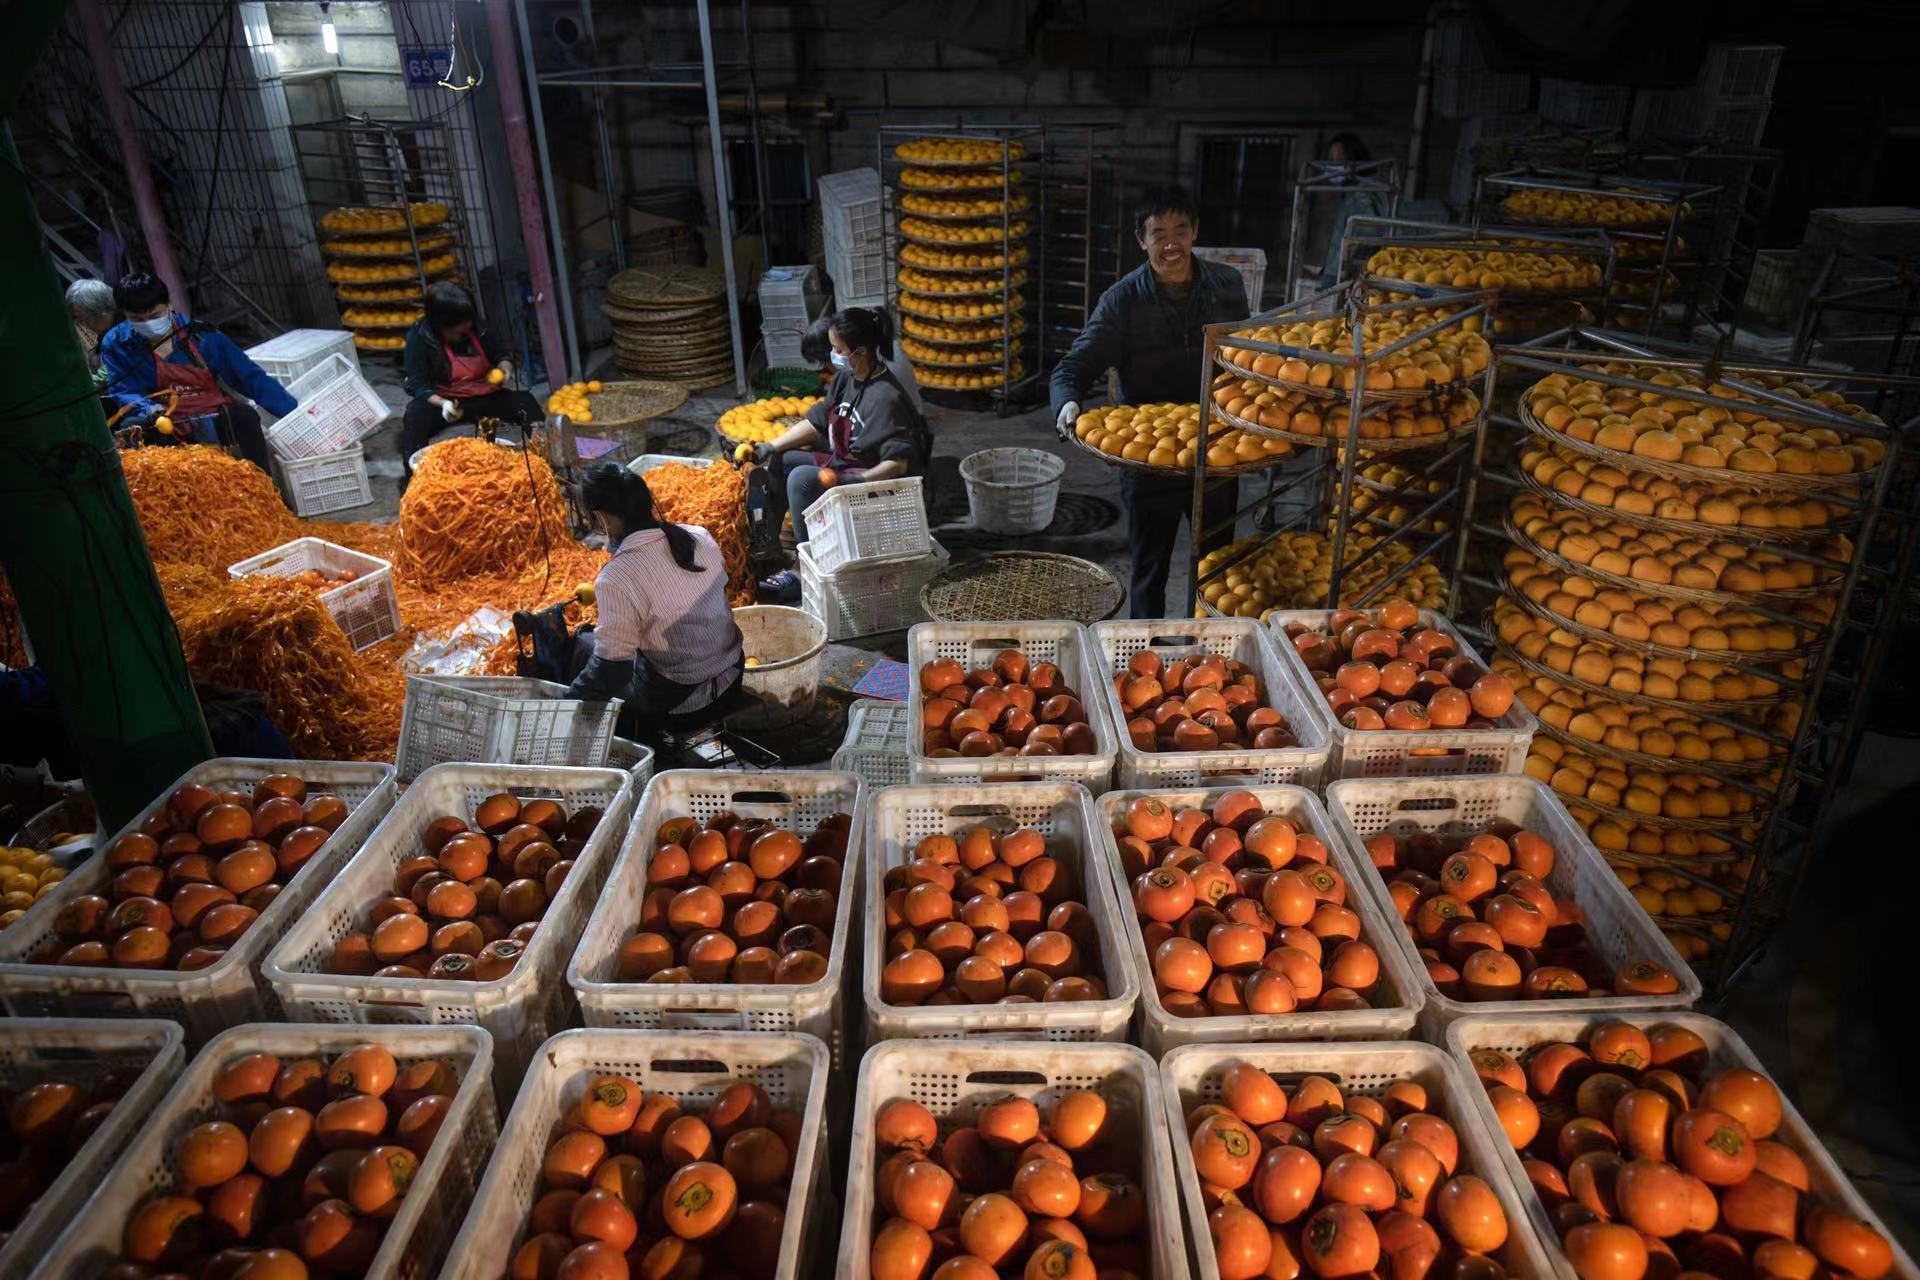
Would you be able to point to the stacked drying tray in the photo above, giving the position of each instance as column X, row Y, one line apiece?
column 962, row 231
column 380, row 260
column 1677, row 549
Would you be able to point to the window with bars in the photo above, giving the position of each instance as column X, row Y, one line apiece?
column 1245, row 191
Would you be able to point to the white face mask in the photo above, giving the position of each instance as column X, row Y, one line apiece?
column 841, row 361
column 158, row 327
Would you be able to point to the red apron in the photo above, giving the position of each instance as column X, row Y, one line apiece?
column 193, row 385
column 839, row 452
column 468, row 377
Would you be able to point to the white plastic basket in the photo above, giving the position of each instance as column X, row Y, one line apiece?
column 325, row 483
column 869, row 601
column 1161, row 1031
column 635, row 758
column 900, row 817
column 296, row 351
column 795, row 800
column 1250, row 263
column 83, row 1051
column 867, row 523
column 229, row 991
column 973, row 644
column 500, row 720
column 520, row 1010
column 1619, row 930
column 954, row 1081
column 876, row 744
column 336, row 410
column 850, row 212
column 1012, row 491
column 691, row 1068
column 1243, row 640
column 1191, row 1076
column 1390, row 753
column 1517, row 1033
column 417, row 1235
column 790, row 298
column 366, row 608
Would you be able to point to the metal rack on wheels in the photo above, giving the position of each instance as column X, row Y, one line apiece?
column 1865, row 307
column 1662, row 249
column 403, row 167
column 1341, row 178
column 1081, row 232
column 1752, row 851
column 1334, row 449
column 1590, row 251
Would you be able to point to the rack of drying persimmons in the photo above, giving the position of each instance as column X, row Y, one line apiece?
column 1355, row 379
column 1695, row 572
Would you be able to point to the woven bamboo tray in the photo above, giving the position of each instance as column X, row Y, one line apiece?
column 1377, row 445
column 1000, row 350
column 1691, row 528
column 990, row 282
column 1019, row 208
column 626, row 404
column 984, row 166
column 1014, row 180
column 356, row 249
column 1381, row 395
column 1786, row 597
column 911, row 331
column 1755, row 658
column 1013, row 586
column 1018, row 256
column 1661, row 822
column 1178, row 473
column 1738, row 769
column 1773, row 481
column 911, row 305
column 1502, row 649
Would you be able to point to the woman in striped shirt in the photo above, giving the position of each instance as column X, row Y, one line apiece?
column 666, row 642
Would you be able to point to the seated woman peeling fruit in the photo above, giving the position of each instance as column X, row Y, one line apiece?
column 666, row 642
column 867, row 421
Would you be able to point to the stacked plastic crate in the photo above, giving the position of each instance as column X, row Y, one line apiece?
column 851, row 228
column 790, row 299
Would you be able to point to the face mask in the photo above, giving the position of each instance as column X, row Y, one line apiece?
column 158, row 327
column 841, row 361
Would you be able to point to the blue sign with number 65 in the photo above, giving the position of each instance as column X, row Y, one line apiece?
column 425, row 67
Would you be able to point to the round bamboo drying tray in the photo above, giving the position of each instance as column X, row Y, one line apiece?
column 401, row 250
column 1012, row 586
column 1665, row 590
column 1378, row 445
column 1660, row 822
column 627, row 404
column 1019, row 257
column 1664, row 764
column 1001, row 355
column 1178, row 473
column 1636, row 699
column 912, row 328
column 1751, row 658
column 1758, row 535
column 1773, row 481
column 1383, row 395
column 912, row 306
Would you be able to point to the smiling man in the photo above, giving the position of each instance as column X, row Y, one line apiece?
column 1146, row 328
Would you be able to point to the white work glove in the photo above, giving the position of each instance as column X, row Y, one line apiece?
column 1069, row 414
column 450, row 410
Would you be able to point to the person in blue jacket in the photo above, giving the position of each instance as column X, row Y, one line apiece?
column 1147, row 329
column 156, row 350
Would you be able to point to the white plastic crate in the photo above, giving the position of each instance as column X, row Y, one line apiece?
column 1619, row 930
column 324, row 484
column 900, row 817
column 954, row 1081
column 635, row 758
column 1243, row 640
column 1250, row 263
column 693, row 1068
column 294, row 352
column 1191, row 1076
column 416, row 1236
column 336, row 409
column 83, row 1051
column 790, row 297
column 868, row 601
column 876, row 743
column 1516, row 1034
column 520, row 1010
column 795, row 800
column 500, row 720
column 1391, row 753
column 868, row 523
column 859, row 277
column 783, row 347
column 973, row 644
column 851, row 213
column 366, row 608
column 229, row 991
column 1400, row 990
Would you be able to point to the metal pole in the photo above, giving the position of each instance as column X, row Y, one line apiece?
column 1422, row 104
column 533, row 228
column 566, row 343
column 753, row 123
column 1197, row 517
column 133, row 153
column 723, row 197
column 616, row 231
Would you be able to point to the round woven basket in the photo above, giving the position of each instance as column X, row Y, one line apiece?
column 1693, row 528
column 1017, row 586
column 1012, row 490
column 628, row 404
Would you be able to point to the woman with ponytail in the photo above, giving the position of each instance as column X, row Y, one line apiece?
column 866, row 427
column 666, row 642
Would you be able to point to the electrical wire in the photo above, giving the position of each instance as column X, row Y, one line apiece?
column 190, row 54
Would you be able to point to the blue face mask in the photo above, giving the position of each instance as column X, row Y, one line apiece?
column 841, row 361
column 158, row 327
